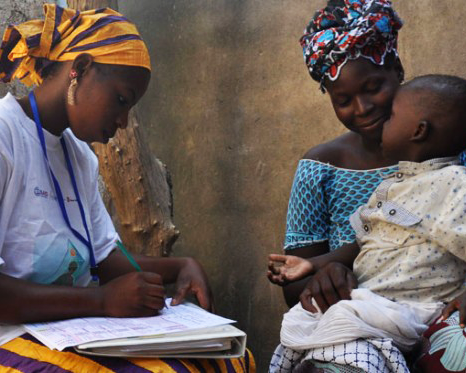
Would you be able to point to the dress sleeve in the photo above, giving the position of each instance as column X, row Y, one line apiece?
column 307, row 220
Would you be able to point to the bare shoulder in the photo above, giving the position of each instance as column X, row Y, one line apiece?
column 333, row 152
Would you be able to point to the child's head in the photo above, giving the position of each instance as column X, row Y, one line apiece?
column 428, row 119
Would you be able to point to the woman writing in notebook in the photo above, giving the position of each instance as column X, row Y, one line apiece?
column 88, row 81
column 57, row 242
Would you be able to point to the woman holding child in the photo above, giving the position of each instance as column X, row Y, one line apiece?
column 350, row 50
column 57, row 242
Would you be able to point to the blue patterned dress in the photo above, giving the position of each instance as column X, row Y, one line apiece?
column 323, row 197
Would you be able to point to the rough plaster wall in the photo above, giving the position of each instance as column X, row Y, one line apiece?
column 231, row 109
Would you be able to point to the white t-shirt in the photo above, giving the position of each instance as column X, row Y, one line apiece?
column 35, row 241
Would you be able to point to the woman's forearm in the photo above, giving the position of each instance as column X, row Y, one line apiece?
column 116, row 264
column 345, row 255
column 24, row 301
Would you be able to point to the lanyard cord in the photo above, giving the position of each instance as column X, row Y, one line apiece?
column 87, row 242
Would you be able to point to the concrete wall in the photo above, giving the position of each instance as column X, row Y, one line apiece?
column 231, row 109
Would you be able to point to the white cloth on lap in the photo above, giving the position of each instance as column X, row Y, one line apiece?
column 366, row 315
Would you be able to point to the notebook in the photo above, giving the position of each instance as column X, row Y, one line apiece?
column 185, row 330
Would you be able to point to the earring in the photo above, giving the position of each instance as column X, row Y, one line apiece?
column 72, row 87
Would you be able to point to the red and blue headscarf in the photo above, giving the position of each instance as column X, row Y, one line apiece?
column 349, row 29
column 105, row 34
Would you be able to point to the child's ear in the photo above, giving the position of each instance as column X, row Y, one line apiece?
column 422, row 131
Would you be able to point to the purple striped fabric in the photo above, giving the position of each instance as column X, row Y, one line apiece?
column 229, row 365
column 102, row 22
column 246, row 361
column 56, row 34
column 26, row 365
column 197, row 364
column 116, row 364
column 116, row 39
column 75, row 20
column 5, row 64
column 176, row 365
column 14, row 65
column 33, row 41
column 214, row 365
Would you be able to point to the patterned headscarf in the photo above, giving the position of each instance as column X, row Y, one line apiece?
column 349, row 29
column 109, row 37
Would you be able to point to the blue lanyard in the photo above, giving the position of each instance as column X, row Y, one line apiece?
column 87, row 242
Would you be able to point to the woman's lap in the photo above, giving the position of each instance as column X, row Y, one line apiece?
column 443, row 348
column 25, row 354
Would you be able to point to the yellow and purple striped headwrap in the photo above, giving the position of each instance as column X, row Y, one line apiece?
column 109, row 37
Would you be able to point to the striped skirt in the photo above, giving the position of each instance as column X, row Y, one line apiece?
column 26, row 354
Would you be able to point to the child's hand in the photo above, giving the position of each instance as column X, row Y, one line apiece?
column 459, row 303
column 287, row 268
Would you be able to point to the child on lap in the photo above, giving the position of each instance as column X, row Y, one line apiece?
column 411, row 232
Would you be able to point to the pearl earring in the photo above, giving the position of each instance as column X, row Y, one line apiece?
column 72, row 87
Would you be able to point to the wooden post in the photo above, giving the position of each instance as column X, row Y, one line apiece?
column 138, row 183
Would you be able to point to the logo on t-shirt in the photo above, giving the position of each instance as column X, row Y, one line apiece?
column 38, row 192
column 58, row 260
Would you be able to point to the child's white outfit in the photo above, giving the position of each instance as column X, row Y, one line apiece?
column 412, row 234
column 35, row 242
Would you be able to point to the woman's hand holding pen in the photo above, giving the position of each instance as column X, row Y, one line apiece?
column 134, row 294
column 144, row 290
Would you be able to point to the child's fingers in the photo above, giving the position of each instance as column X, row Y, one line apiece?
column 272, row 277
column 276, row 279
column 273, row 268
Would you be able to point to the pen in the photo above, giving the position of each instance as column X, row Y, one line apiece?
column 128, row 256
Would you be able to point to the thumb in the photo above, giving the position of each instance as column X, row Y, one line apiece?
column 351, row 281
column 278, row 258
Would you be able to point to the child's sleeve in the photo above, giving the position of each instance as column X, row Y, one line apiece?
column 307, row 219
column 447, row 226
